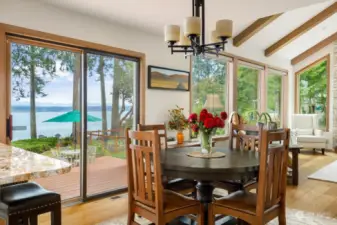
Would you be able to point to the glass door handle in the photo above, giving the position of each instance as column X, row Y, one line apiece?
column 9, row 127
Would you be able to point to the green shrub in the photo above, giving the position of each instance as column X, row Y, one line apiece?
column 38, row 145
column 66, row 141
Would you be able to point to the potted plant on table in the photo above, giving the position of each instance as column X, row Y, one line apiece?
column 178, row 122
column 206, row 125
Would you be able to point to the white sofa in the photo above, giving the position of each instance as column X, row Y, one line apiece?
column 305, row 131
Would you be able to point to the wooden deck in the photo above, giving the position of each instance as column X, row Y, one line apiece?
column 106, row 173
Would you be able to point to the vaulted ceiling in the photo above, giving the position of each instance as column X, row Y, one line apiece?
column 151, row 16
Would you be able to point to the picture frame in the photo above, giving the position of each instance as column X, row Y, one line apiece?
column 168, row 79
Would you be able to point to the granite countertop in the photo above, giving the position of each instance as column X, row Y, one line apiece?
column 20, row 165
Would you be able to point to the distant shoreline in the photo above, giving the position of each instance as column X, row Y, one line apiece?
column 24, row 108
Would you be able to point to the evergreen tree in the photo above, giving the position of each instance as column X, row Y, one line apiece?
column 32, row 68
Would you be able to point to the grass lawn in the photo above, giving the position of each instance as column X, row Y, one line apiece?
column 119, row 154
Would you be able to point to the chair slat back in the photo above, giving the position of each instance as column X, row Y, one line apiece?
column 161, row 132
column 244, row 136
column 274, row 150
column 144, row 170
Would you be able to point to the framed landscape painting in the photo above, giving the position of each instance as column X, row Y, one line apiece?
column 170, row 79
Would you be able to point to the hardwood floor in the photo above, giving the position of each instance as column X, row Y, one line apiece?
column 311, row 195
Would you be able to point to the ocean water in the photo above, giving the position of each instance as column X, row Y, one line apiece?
column 51, row 129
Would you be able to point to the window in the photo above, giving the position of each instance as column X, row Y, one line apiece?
column 248, row 91
column 312, row 91
column 209, row 85
column 274, row 95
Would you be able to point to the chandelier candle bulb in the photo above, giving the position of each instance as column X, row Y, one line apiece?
column 215, row 37
column 224, row 28
column 172, row 33
column 184, row 40
column 192, row 26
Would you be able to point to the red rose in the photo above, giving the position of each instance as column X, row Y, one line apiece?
column 217, row 121
column 223, row 115
column 209, row 123
column 203, row 111
column 209, row 115
column 203, row 115
column 193, row 117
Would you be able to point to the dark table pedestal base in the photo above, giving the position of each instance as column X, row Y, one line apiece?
column 205, row 196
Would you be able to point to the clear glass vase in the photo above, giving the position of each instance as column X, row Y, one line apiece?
column 206, row 143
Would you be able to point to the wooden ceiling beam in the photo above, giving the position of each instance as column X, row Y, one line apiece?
column 314, row 49
column 326, row 13
column 255, row 27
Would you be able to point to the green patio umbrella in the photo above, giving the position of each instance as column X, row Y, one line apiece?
column 71, row 117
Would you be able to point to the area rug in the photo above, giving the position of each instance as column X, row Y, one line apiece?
column 327, row 173
column 294, row 217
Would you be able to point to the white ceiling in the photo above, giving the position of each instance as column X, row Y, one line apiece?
column 151, row 16
column 288, row 22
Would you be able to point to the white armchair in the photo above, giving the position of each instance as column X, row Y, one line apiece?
column 305, row 131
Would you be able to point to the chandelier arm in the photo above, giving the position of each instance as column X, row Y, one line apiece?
column 180, row 46
column 183, row 51
column 213, row 44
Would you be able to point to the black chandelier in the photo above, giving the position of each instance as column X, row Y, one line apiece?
column 192, row 38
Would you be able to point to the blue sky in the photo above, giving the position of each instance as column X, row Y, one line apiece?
column 60, row 91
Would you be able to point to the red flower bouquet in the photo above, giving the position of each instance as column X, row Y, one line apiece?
column 206, row 125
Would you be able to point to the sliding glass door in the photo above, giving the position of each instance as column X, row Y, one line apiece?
column 44, row 87
column 74, row 105
column 111, row 107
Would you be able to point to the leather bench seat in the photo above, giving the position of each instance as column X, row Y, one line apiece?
column 25, row 197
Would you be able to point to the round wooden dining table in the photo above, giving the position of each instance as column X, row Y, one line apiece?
column 236, row 165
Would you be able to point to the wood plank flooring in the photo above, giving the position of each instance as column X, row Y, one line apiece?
column 311, row 195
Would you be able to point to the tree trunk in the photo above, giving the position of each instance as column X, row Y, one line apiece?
column 76, row 94
column 33, row 133
column 115, row 124
column 103, row 97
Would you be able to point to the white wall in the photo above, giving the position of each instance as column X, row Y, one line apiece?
column 323, row 52
column 42, row 17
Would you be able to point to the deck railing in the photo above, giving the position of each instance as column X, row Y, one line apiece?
column 115, row 135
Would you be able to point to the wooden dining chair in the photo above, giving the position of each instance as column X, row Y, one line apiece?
column 182, row 186
column 244, row 137
column 269, row 201
column 147, row 197
column 161, row 128
column 235, row 118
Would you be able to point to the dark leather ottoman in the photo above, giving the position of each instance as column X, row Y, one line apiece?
column 23, row 202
